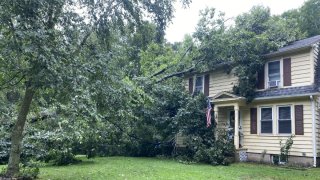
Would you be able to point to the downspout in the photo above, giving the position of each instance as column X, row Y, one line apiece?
column 314, row 131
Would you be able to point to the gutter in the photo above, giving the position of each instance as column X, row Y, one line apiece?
column 286, row 96
column 227, row 99
column 314, row 142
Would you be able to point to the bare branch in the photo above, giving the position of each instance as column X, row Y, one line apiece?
column 11, row 79
column 10, row 85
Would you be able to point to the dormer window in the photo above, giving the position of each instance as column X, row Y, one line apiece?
column 274, row 74
column 199, row 85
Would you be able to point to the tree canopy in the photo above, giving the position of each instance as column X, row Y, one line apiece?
column 66, row 50
column 98, row 77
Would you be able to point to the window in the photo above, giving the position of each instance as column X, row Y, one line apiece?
column 198, row 85
column 284, row 119
column 266, row 120
column 274, row 74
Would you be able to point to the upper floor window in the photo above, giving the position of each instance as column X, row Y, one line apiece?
column 284, row 119
column 274, row 74
column 266, row 120
column 199, row 84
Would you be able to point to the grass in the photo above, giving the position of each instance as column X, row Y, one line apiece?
column 155, row 168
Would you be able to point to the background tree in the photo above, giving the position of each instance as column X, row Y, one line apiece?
column 309, row 17
column 44, row 47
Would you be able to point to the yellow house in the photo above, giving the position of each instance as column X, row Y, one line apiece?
column 286, row 103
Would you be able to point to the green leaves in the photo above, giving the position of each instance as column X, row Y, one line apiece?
column 309, row 17
column 77, row 56
column 255, row 20
column 157, row 57
column 241, row 47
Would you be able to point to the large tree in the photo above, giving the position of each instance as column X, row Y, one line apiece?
column 57, row 45
column 309, row 17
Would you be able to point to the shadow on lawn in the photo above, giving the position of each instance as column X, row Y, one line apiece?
column 85, row 162
column 81, row 162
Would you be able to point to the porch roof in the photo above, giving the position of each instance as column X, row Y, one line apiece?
column 225, row 97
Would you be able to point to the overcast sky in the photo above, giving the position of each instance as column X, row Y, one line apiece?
column 186, row 19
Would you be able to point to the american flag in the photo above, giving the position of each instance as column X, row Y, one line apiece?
column 208, row 113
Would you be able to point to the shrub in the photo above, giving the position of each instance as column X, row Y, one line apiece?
column 27, row 172
column 62, row 157
column 282, row 158
column 285, row 149
column 201, row 145
column 218, row 153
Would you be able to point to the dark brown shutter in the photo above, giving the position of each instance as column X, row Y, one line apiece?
column 253, row 120
column 191, row 85
column 206, row 84
column 298, row 116
column 287, row 72
column 260, row 83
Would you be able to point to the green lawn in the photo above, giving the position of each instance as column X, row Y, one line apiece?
column 153, row 168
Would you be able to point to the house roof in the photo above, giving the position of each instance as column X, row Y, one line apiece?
column 296, row 45
column 284, row 92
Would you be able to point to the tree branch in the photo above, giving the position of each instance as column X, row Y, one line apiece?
column 121, row 129
column 166, row 68
column 9, row 82
column 94, row 26
column 181, row 73
column 177, row 74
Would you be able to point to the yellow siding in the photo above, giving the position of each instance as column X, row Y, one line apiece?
column 317, row 112
column 314, row 53
column 301, row 69
column 221, row 81
column 302, row 144
column 302, row 73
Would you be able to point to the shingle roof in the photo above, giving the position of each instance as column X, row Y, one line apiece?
column 302, row 90
column 297, row 45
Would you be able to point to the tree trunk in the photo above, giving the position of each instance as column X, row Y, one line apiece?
column 17, row 134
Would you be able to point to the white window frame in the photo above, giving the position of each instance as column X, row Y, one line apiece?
column 260, row 120
column 267, row 73
column 291, row 118
column 195, row 82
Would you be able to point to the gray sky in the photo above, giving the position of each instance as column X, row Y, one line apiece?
column 186, row 19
